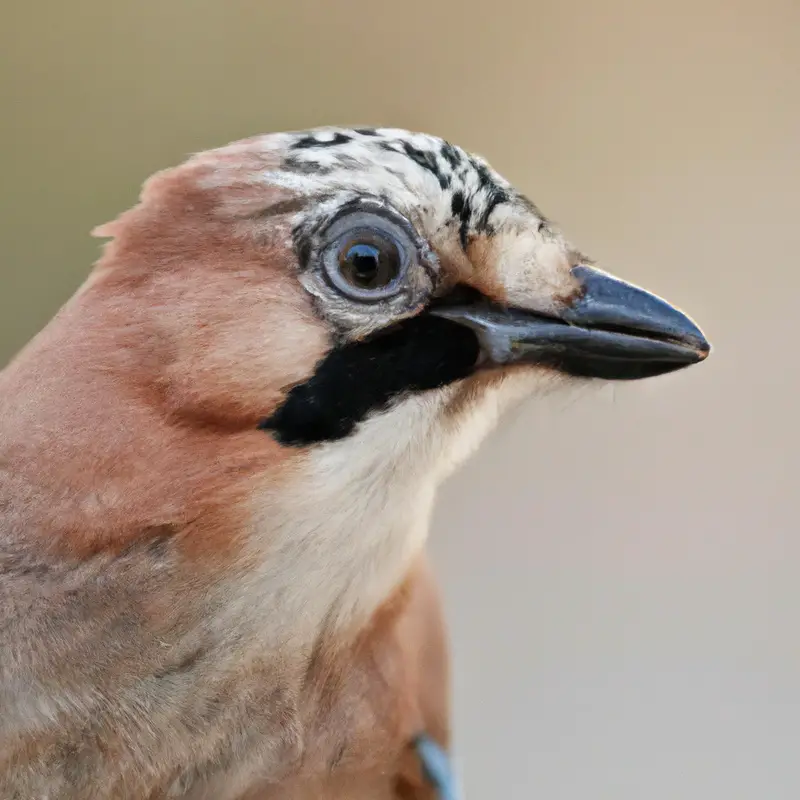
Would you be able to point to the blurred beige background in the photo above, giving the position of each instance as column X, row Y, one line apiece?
column 621, row 566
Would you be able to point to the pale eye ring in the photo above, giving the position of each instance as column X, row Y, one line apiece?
column 367, row 257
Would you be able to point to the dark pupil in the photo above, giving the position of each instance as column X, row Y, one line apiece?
column 369, row 266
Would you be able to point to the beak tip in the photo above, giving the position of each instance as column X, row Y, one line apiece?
column 696, row 339
column 606, row 299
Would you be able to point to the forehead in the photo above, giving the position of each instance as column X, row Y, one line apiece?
column 427, row 178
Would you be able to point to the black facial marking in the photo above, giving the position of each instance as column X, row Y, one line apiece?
column 366, row 131
column 457, row 203
column 466, row 218
column 427, row 160
column 484, row 177
column 450, row 155
column 496, row 198
column 294, row 164
column 461, row 208
column 418, row 355
column 312, row 141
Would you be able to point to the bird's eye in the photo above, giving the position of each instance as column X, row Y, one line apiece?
column 366, row 256
column 369, row 262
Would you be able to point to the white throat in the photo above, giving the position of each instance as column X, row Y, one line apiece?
column 338, row 535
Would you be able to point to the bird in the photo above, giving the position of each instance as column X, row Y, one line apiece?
column 219, row 458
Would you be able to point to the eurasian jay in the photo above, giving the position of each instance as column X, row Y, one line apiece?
column 219, row 461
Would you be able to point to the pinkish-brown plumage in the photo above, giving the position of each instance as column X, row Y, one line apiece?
column 194, row 606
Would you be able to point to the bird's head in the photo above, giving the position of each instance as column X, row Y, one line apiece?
column 333, row 276
column 371, row 299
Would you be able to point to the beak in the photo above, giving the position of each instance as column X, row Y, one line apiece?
column 614, row 331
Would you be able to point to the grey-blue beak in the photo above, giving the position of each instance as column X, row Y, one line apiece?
column 614, row 330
